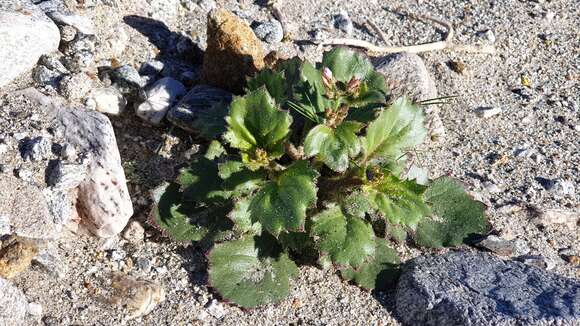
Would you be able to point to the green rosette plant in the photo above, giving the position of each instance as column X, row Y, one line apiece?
column 312, row 164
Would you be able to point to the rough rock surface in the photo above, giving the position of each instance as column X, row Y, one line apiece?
column 13, row 303
column 200, row 98
column 233, row 51
column 407, row 75
column 25, row 34
column 103, row 198
column 479, row 289
column 26, row 207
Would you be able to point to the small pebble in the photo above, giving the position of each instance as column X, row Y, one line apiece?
column 76, row 86
column 34, row 309
column 215, row 309
column 343, row 22
column 487, row 112
column 270, row 32
column 134, row 232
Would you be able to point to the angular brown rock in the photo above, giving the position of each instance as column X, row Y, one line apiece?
column 16, row 257
column 233, row 51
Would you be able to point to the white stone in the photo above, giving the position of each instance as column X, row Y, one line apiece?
column 25, row 34
column 34, row 309
column 13, row 304
column 547, row 217
column 81, row 23
column 162, row 95
column 107, row 100
column 487, row 113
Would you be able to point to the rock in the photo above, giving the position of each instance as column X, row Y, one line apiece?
column 215, row 309
column 75, row 86
column 16, row 257
column 67, row 175
column 82, row 24
column 13, row 303
column 5, row 227
column 134, row 232
column 233, row 51
column 498, row 245
column 548, row 217
column 103, row 202
column 565, row 187
column 25, row 34
column 67, row 33
column 151, row 67
column 537, row 261
column 270, row 32
column 49, row 259
column 160, row 97
column 28, row 210
column 68, row 152
column 460, row 288
column 487, row 112
column 138, row 296
column 144, row 264
column 34, row 309
column 53, row 63
column 46, row 77
column 35, row 149
column 343, row 22
column 407, row 75
column 127, row 79
column 200, row 98
column 107, row 100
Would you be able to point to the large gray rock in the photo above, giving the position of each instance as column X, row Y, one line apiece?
column 26, row 33
column 461, row 288
column 407, row 75
column 13, row 304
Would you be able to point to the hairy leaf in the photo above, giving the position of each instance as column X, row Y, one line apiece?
column 274, row 83
column 455, row 215
column 211, row 124
column 348, row 240
column 377, row 273
column 185, row 222
column 398, row 128
column 281, row 204
column 238, row 180
column 255, row 124
column 251, row 271
column 346, row 63
column 214, row 150
column 242, row 218
column 334, row 146
column 401, row 202
column 201, row 183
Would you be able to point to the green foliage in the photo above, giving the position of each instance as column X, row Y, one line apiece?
column 313, row 166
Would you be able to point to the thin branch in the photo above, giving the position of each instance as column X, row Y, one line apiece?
column 446, row 44
column 377, row 30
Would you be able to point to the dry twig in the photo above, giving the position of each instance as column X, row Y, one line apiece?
column 446, row 44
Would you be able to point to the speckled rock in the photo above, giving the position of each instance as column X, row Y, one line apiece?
column 460, row 288
column 103, row 202
column 407, row 75
column 233, row 51
column 200, row 98
column 13, row 303
column 25, row 34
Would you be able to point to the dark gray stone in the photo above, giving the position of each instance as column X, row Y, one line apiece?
column 200, row 98
column 461, row 288
column 127, row 79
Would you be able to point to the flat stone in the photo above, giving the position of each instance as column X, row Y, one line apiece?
column 552, row 216
column 138, row 296
column 200, row 98
column 26, row 33
column 407, row 75
column 233, row 51
column 107, row 100
column 160, row 97
column 13, row 303
column 462, row 288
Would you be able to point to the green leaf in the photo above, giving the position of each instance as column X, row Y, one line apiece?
column 238, row 180
column 274, row 83
column 281, row 204
column 378, row 273
column 346, row 63
column 334, row 146
column 455, row 215
column 348, row 240
column 185, row 222
column 214, row 150
column 242, row 218
column 357, row 204
column 256, row 124
column 211, row 123
column 399, row 201
column 201, row 183
column 251, row 271
column 398, row 128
